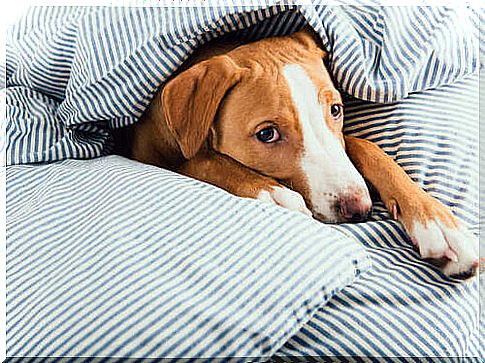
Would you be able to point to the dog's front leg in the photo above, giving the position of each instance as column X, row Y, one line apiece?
column 430, row 224
column 234, row 177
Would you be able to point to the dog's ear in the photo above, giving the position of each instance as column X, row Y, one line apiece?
column 191, row 100
column 311, row 40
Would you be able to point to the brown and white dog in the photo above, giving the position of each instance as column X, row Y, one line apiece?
column 264, row 120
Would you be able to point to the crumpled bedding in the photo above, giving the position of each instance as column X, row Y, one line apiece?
column 108, row 257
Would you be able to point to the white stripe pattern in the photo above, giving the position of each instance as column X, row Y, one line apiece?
column 108, row 257
column 84, row 69
column 181, row 270
column 403, row 307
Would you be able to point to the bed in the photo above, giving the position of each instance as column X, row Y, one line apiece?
column 107, row 257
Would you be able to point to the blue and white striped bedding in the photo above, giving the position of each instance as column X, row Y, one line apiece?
column 153, row 264
column 109, row 257
column 402, row 307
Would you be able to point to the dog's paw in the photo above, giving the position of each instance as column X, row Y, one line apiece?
column 453, row 249
column 440, row 237
column 285, row 198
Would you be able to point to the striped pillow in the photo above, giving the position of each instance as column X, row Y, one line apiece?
column 110, row 257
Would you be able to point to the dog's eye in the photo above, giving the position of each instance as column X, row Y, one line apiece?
column 268, row 135
column 336, row 110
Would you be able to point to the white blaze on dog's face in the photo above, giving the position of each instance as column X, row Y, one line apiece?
column 284, row 120
column 336, row 190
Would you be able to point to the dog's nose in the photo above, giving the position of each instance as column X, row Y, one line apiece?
column 355, row 206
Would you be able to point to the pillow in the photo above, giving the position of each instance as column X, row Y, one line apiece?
column 110, row 257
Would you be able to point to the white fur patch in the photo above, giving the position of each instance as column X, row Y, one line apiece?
column 329, row 171
column 435, row 240
column 285, row 198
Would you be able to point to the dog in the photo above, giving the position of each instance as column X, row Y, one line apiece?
column 263, row 120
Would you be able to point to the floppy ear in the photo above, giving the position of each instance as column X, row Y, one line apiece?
column 190, row 100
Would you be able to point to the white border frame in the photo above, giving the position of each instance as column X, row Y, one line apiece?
column 13, row 10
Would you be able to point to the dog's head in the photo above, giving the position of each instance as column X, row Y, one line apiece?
column 271, row 105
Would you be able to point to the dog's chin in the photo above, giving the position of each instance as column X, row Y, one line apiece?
column 335, row 218
column 329, row 218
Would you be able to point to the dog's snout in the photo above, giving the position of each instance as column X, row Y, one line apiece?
column 355, row 206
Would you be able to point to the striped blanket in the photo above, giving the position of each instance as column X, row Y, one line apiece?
column 108, row 257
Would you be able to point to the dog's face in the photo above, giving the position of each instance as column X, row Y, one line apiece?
column 277, row 112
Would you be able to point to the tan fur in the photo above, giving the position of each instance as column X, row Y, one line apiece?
column 395, row 187
column 188, row 112
column 203, row 122
column 243, row 86
column 227, row 173
column 225, row 93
